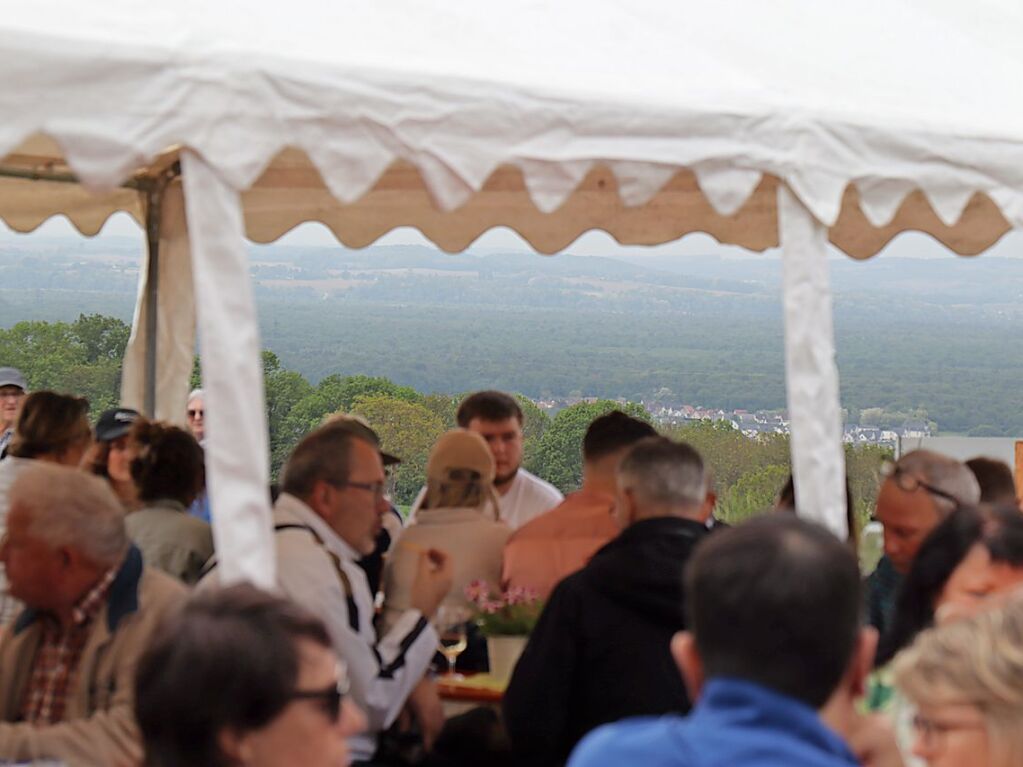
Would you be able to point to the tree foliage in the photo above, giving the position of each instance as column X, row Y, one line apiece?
column 407, row 429
column 558, row 457
column 83, row 357
column 300, row 409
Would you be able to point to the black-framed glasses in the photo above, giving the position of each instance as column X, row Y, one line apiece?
column 330, row 698
column 379, row 489
column 911, row 483
column 195, row 413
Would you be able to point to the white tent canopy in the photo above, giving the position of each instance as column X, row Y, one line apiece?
column 784, row 123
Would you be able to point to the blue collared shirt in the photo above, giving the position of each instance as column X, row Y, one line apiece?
column 734, row 723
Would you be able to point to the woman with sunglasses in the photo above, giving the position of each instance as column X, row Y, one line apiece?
column 238, row 676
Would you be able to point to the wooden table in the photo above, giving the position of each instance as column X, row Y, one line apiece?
column 470, row 691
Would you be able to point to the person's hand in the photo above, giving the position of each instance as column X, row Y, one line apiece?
column 433, row 581
column 872, row 740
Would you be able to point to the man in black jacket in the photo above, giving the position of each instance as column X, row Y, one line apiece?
column 601, row 650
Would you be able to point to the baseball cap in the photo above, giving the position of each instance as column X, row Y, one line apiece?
column 115, row 423
column 460, row 449
column 357, row 426
column 13, row 377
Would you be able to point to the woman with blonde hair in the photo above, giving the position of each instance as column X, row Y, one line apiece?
column 456, row 517
column 966, row 680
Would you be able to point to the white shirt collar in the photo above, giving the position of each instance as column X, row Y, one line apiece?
column 289, row 508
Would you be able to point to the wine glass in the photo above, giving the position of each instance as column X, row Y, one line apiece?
column 450, row 621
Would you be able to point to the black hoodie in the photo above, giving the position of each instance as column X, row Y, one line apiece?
column 600, row 651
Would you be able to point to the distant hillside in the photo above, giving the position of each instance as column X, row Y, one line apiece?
column 941, row 334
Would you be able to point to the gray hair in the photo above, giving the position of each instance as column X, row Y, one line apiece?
column 68, row 507
column 664, row 472
column 944, row 473
column 193, row 394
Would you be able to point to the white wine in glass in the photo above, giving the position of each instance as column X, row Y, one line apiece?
column 452, row 631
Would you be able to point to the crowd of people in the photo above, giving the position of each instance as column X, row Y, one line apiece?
column 666, row 637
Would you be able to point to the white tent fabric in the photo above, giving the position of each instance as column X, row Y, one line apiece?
column 889, row 96
column 876, row 117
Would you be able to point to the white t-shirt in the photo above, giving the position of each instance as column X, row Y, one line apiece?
column 527, row 498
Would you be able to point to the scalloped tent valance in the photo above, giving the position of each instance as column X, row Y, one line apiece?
column 36, row 183
column 786, row 123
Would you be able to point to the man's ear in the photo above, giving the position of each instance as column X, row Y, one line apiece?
column 689, row 662
column 319, row 497
column 708, row 506
column 234, row 746
column 862, row 662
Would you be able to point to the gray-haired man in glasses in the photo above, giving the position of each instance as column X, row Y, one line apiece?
column 918, row 492
column 328, row 516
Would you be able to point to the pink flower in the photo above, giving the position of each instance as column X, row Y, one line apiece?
column 490, row 606
column 477, row 591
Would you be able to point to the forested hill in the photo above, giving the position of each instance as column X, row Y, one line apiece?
column 937, row 334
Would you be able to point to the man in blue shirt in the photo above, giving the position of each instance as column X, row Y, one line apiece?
column 774, row 638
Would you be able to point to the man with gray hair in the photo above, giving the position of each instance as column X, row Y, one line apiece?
column 328, row 516
column 919, row 491
column 67, row 664
column 600, row 651
column 195, row 412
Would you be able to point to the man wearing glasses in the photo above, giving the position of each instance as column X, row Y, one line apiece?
column 196, row 413
column 918, row 492
column 328, row 516
column 13, row 388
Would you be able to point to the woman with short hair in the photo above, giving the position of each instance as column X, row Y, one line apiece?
column 966, row 679
column 239, row 676
column 168, row 471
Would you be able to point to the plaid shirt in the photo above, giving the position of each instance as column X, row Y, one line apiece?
column 56, row 661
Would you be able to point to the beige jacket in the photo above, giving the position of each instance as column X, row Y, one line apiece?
column 99, row 728
column 473, row 540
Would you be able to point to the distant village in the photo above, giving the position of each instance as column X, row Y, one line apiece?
column 756, row 422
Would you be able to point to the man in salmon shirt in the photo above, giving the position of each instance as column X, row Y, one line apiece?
column 555, row 544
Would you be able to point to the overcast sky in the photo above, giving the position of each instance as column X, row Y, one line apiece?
column 909, row 244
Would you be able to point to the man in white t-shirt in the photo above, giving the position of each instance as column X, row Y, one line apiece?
column 497, row 418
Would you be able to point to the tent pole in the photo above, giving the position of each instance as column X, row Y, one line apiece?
column 237, row 445
column 811, row 375
column 154, row 191
column 154, row 200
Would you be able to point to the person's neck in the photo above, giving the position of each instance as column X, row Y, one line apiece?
column 692, row 513
column 839, row 713
column 598, row 481
column 502, row 488
column 79, row 584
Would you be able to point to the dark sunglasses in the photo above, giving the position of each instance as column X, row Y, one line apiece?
column 330, row 699
column 194, row 413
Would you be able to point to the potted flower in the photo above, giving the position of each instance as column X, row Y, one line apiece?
column 506, row 620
